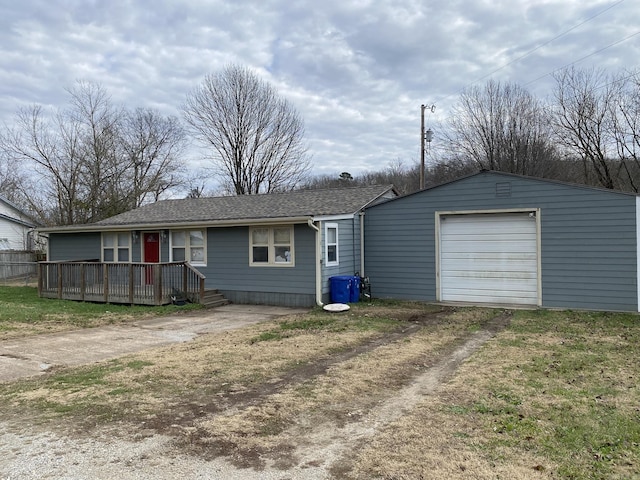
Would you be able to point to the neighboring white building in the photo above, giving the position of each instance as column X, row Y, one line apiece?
column 16, row 228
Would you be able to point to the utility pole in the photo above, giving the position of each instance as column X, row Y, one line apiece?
column 425, row 136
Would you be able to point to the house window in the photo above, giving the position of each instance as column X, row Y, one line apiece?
column 116, row 247
column 271, row 246
column 189, row 245
column 331, row 244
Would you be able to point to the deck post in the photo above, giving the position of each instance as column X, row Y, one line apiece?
column 201, row 290
column 83, row 283
column 40, row 275
column 185, row 278
column 59, row 265
column 131, row 286
column 157, row 284
column 105, row 281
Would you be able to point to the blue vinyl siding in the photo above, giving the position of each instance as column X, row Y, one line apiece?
column 164, row 250
column 74, row 246
column 87, row 246
column 136, row 250
column 348, row 251
column 228, row 269
column 227, row 264
column 588, row 239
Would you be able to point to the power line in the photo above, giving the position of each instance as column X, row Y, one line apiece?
column 537, row 48
column 583, row 58
column 549, row 41
column 617, row 80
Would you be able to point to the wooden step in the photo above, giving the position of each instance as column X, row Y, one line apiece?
column 213, row 298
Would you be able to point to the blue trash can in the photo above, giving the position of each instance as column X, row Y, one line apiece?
column 354, row 295
column 340, row 288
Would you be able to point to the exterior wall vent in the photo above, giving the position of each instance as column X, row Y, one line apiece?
column 503, row 189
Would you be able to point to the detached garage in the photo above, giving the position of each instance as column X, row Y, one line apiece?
column 501, row 239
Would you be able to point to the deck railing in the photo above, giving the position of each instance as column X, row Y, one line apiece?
column 132, row 283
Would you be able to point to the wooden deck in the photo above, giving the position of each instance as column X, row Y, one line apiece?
column 131, row 283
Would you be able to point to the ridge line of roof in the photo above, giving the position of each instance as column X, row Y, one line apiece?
column 238, row 209
column 291, row 192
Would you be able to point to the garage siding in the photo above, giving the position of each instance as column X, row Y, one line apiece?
column 400, row 250
column 588, row 239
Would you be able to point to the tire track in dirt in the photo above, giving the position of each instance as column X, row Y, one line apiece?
column 188, row 411
column 330, row 445
column 327, row 446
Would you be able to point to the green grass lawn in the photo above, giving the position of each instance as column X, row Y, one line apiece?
column 562, row 386
column 22, row 312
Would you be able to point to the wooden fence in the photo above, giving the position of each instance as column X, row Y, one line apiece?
column 16, row 265
column 132, row 283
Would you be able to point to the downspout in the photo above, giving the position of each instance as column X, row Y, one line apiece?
column 28, row 240
column 318, row 259
column 362, row 274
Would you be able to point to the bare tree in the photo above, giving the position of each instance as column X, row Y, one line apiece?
column 327, row 180
column 404, row 178
column 256, row 136
column 51, row 150
column 502, row 127
column 625, row 116
column 94, row 159
column 152, row 149
column 584, row 101
column 448, row 169
column 97, row 120
column 13, row 182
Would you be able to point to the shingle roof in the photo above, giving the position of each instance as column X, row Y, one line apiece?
column 301, row 203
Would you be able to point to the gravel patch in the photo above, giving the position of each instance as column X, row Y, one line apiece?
column 46, row 455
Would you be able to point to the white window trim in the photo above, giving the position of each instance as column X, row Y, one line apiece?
column 271, row 247
column 327, row 226
column 187, row 245
column 115, row 247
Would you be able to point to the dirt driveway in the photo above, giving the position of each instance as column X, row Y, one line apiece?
column 23, row 357
column 305, row 423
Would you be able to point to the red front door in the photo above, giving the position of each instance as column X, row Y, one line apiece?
column 151, row 247
column 151, row 252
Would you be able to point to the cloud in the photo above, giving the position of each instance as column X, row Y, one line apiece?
column 357, row 71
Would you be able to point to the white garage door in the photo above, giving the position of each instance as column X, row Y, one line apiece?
column 489, row 258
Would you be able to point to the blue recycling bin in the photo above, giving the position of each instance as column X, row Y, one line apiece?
column 341, row 288
column 354, row 295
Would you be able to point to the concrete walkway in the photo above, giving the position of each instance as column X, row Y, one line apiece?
column 23, row 357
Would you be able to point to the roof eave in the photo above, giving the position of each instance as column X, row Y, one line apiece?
column 24, row 223
column 175, row 225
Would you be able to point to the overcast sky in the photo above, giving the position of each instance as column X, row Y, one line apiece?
column 356, row 70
